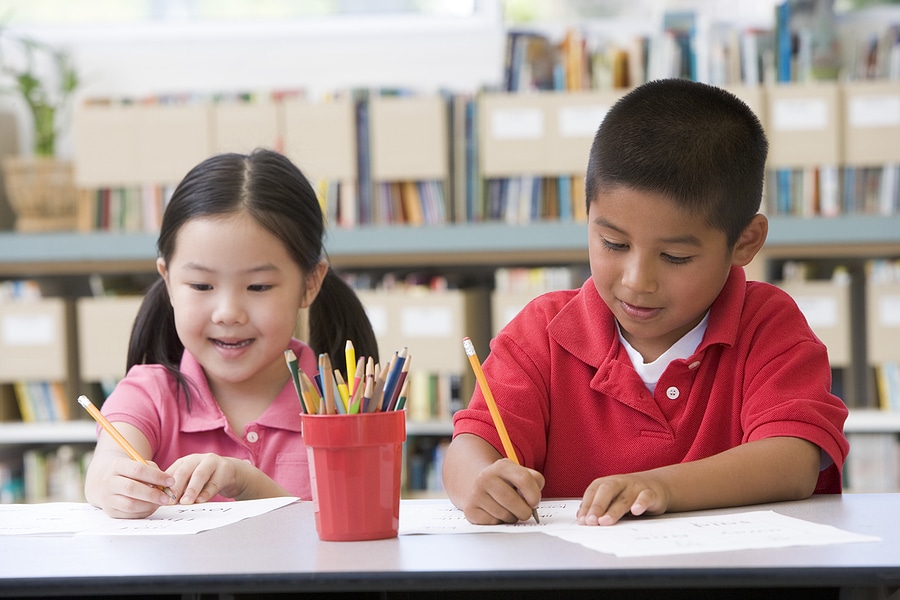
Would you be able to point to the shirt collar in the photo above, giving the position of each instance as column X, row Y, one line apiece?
column 586, row 328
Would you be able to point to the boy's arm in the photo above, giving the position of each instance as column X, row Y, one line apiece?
column 766, row 470
column 488, row 488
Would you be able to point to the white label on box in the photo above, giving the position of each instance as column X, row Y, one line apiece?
column 889, row 311
column 800, row 114
column 378, row 318
column 580, row 121
column 820, row 311
column 426, row 321
column 517, row 124
column 875, row 111
column 28, row 330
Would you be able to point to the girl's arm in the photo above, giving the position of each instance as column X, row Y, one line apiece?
column 121, row 486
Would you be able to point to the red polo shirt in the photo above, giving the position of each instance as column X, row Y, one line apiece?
column 576, row 409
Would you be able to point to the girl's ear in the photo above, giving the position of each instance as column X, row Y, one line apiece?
column 751, row 241
column 313, row 283
column 164, row 273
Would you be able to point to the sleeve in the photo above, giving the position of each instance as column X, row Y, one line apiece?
column 519, row 385
column 787, row 385
column 136, row 401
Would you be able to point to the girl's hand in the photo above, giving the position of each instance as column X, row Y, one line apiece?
column 201, row 477
column 503, row 492
column 131, row 490
column 608, row 499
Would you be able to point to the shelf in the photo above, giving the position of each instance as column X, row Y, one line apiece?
column 65, row 432
column 474, row 244
column 872, row 421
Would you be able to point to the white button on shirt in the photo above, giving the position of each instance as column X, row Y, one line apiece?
column 673, row 393
column 252, row 437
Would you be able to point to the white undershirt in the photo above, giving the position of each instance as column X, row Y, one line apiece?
column 683, row 348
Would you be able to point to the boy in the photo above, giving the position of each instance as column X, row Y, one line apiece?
column 667, row 382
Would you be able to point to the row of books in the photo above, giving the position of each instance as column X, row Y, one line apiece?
column 45, row 475
column 873, row 464
column 885, row 274
column 805, row 40
column 831, row 191
column 42, row 401
column 424, row 462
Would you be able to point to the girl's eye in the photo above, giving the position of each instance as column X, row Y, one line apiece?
column 200, row 287
column 613, row 246
column 259, row 287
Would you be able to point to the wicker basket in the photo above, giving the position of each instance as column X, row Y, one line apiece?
column 41, row 191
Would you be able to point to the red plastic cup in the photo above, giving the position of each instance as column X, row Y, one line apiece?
column 354, row 468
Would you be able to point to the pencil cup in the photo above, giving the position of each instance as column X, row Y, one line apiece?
column 354, row 468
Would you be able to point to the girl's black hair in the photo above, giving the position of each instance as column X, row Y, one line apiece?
column 271, row 189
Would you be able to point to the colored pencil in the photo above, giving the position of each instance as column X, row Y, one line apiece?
column 492, row 407
column 350, row 358
column 118, row 437
column 294, row 368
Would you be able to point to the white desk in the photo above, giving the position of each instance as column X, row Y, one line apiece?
column 279, row 552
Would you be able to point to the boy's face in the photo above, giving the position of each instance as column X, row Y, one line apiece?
column 656, row 266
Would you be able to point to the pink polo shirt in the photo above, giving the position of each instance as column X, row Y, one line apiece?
column 150, row 399
column 576, row 409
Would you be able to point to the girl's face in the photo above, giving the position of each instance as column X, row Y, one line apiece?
column 656, row 266
column 236, row 291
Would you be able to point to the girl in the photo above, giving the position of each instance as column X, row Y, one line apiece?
column 208, row 396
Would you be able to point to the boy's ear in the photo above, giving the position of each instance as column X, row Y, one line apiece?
column 751, row 240
column 313, row 283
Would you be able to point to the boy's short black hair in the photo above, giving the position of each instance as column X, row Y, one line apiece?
column 695, row 143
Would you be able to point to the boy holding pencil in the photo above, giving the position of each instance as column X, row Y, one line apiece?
column 667, row 382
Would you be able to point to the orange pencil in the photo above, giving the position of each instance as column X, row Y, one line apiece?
column 492, row 407
column 120, row 439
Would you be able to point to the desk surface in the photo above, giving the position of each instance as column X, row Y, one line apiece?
column 280, row 552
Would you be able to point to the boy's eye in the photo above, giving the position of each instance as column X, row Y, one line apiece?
column 677, row 260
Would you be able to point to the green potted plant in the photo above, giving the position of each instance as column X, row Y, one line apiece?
column 39, row 186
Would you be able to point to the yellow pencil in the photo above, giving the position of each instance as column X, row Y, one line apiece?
column 120, row 439
column 343, row 389
column 492, row 407
column 350, row 357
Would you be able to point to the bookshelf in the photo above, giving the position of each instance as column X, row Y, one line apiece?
column 472, row 244
column 457, row 247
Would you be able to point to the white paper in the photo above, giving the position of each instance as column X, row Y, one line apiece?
column 643, row 536
column 426, row 321
column 875, row 111
column 581, row 121
column 517, row 124
column 820, row 311
column 77, row 518
column 889, row 311
column 28, row 330
column 800, row 114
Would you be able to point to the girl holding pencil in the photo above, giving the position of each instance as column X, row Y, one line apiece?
column 208, row 399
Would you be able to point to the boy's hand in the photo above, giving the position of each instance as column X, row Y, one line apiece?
column 503, row 492
column 608, row 499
